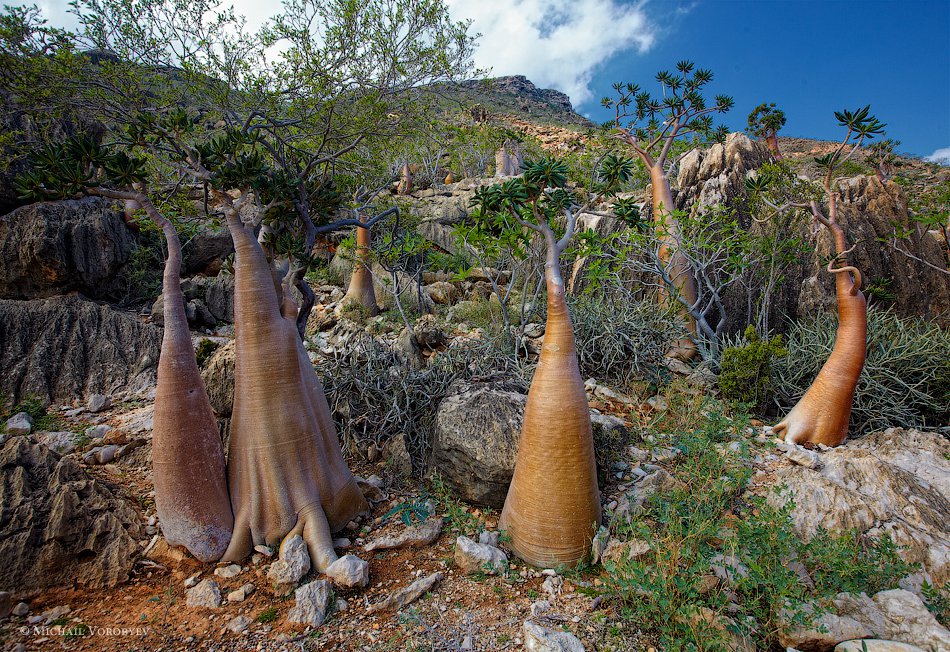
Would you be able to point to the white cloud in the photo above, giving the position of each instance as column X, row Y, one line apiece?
column 941, row 156
column 554, row 43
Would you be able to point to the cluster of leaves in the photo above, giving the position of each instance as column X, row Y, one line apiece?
column 745, row 370
column 765, row 120
column 705, row 518
column 906, row 376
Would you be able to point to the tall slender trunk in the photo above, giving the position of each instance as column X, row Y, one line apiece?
column 553, row 505
column 191, row 492
column 680, row 271
column 285, row 467
column 405, row 180
column 361, row 289
column 822, row 414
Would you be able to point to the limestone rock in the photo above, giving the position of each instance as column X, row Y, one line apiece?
column 51, row 248
column 441, row 292
column 473, row 557
column 229, row 571
column 293, row 563
column 803, row 456
column 218, row 376
column 891, row 483
column 876, row 645
column 412, row 537
column 476, row 441
column 539, row 639
column 349, row 571
column 241, row 594
column 61, row 442
column 58, row 526
column 65, row 347
column 312, row 600
column 98, row 403
column 238, row 624
column 402, row 597
column 205, row 594
column 20, row 423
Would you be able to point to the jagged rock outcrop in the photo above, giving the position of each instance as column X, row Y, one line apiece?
column 57, row 525
column 206, row 249
column 51, row 248
column 218, row 377
column 870, row 211
column 895, row 482
column 209, row 300
column 63, row 348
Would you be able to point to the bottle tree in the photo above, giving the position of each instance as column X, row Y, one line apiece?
column 553, row 505
column 821, row 415
column 883, row 157
column 651, row 126
column 765, row 121
column 191, row 492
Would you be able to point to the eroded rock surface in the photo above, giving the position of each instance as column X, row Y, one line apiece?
column 895, row 482
column 58, row 526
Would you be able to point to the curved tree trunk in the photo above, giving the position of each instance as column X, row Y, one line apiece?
column 404, row 187
column 680, row 271
column 191, row 492
column 361, row 288
column 553, row 505
column 286, row 471
column 822, row 414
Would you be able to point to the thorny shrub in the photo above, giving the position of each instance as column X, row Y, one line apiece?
column 745, row 369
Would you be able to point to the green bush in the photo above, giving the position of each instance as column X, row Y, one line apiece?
column 906, row 377
column 619, row 341
column 205, row 350
column 706, row 513
column 745, row 373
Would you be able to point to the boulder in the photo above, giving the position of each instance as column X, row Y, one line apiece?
column 293, row 563
column 65, row 347
column 875, row 645
column 415, row 536
column 349, row 571
column 205, row 594
column 441, row 292
column 893, row 483
column 218, row 376
column 51, row 248
column 475, row 442
column 58, row 526
column 20, row 423
column 540, row 639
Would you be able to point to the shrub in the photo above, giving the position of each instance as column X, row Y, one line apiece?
column 705, row 513
column 745, row 373
column 906, row 377
column 374, row 397
column 205, row 350
column 619, row 341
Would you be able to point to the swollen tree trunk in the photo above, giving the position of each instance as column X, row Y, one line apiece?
column 285, row 468
column 191, row 492
column 553, row 505
column 361, row 289
column 772, row 141
column 405, row 180
column 822, row 414
column 680, row 272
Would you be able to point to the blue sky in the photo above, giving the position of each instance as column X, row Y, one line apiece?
column 810, row 57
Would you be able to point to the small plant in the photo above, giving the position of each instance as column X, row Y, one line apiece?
column 269, row 615
column 456, row 514
column 205, row 350
column 78, row 630
column 745, row 370
column 938, row 601
column 408, row 510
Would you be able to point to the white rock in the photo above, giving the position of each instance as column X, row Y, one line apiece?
column 21, row 609
column 241, row 594
column 552, row 586
column 191, row 581
column 20, row 423
column 205, row 594
column 539, row 607
column 98, row 403
column 292, row 565
column 412, row 537
column 312, row 600
column 238, row 624
column 876, row 645
column 488, row 538
column 539, row 639
column 98, row 432
column 61, row 442
column 473, row 557
column 803, row 457
column 229, row 571
column 349, row 571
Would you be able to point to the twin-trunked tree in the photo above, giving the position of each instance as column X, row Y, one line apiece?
column 553, row 505
column 651, row 127
column 267, row 172
column 821, row 415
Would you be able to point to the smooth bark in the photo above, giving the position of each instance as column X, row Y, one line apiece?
column 553, row 505
column 286, row 470
column 191, row 492
column 361, row 289
column 822, row 414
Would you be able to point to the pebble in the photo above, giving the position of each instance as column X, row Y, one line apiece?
column 229, row 571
